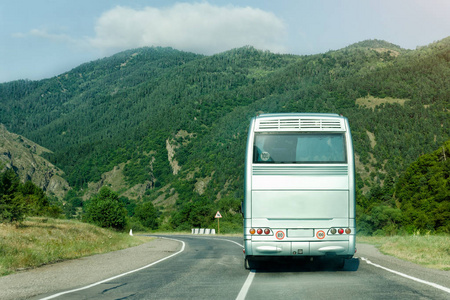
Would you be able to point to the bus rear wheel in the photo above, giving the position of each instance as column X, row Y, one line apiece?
column 249, row 263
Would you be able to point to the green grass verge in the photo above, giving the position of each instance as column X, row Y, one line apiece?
column 431, row 251
column 40, row 241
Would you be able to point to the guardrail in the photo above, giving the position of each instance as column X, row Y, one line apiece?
column 203, row 231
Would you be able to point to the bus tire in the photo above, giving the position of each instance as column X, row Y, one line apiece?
column 249, row 263
column 341, row 263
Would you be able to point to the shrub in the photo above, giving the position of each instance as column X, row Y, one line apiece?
column 106, row 210
column 136, row 225
column 12, row 208
column 147, row 214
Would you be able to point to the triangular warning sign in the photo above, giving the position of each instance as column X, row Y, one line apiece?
column 218, row 215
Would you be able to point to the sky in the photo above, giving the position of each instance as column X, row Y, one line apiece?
column 45, row 38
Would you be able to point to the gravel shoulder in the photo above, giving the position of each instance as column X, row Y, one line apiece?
column 375, row 256
column 84, row 271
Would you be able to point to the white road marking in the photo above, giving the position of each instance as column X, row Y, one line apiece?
column 220, row 239
column 246, row 286
column 233, row 242
column 435, row 285
column 248, row 282
column 118, row 276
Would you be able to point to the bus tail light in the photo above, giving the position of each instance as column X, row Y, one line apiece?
column 339, row 230
column 260, row 231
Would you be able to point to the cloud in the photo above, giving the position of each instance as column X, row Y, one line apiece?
column 51, row 36
column 199, row 27
column 44, row 34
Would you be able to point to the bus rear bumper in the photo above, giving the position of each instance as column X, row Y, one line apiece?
column 333, row 249
column 340, row 248
column 266, row 249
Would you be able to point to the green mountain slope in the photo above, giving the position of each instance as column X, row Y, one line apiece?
column 423, row 191
column 176, row 122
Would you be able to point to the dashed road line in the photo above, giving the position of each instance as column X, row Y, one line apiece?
column 246, row 286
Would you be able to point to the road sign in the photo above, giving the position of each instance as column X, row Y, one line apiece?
column 320, row 234
column 280, row 235
column 218, row 216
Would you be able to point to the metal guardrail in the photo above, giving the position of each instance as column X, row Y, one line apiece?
column 203, row 231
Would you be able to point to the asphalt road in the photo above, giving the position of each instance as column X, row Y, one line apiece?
column 210, row 267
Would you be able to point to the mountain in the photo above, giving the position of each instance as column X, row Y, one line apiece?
column 170, row 126
column 25, row 157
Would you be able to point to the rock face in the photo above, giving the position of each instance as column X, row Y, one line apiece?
column 24, row 157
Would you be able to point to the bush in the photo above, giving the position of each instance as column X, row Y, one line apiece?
column 12, row 208
column 147, row 215
column 229, row 227
column 136, row 225
column 106, row 210
column 192, row 215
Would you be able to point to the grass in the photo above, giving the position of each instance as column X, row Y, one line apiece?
column 431, row 251
column 373, row 102
column 40, row 241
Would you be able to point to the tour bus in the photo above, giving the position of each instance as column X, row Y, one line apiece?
column 299, row 187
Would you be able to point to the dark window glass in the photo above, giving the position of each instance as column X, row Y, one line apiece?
column 299, row 148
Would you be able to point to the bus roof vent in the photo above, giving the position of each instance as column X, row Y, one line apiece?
column 300, row 124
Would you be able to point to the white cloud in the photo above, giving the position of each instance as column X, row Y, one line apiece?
column 51, row 36
column 199, row 27
column 44, row 34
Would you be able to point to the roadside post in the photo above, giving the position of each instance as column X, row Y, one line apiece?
column 218, row 216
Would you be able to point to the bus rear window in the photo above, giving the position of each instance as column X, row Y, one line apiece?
column 299, row 148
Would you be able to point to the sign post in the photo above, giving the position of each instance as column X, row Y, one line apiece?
column 218, row 216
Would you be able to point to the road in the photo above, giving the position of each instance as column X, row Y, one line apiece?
column 210, row 267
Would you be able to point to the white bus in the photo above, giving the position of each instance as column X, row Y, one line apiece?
column 299, row 187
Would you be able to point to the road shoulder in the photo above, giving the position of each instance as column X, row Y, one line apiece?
column 78, row 272
column 371, row 253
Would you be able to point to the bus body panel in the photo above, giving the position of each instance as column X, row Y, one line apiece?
column 300, row 205
column 300, row 182
column 295, row 193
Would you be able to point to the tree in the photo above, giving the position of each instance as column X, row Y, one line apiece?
column 106, row 210
column 12, row 202
column 9, row 182
column 147, row 214
column 198, row 213
column 423, row 192
column 35, row 199
column 18, row 200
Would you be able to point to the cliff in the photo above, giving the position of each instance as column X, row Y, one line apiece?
column 25, row 158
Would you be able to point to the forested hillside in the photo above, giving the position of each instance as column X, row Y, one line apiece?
column 174, row 124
